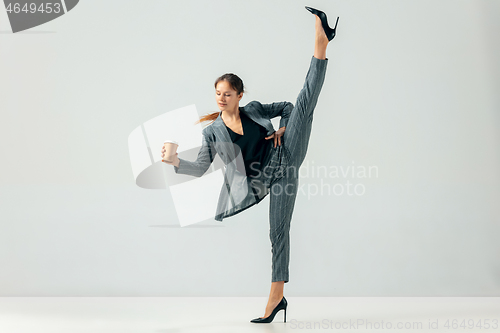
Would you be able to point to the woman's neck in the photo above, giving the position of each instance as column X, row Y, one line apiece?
column 231, row 116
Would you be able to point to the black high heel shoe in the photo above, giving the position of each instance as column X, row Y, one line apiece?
column 281, row 306
column 330, row 33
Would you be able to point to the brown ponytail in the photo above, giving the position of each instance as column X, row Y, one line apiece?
column 211, row 116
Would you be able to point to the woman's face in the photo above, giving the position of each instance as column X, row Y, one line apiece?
column 226, row 96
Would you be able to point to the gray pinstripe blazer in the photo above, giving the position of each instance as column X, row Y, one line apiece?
column 238, row 192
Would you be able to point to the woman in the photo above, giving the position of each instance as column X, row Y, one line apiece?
column 260, row 160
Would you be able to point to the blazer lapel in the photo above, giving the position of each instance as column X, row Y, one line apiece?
column 254, row 114
column 223, row 140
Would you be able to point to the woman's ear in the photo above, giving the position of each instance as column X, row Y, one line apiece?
column 240, row 96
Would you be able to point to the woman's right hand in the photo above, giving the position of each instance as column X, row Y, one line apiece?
column 175, row 160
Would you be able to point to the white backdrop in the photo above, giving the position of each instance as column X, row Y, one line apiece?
column 411, row 91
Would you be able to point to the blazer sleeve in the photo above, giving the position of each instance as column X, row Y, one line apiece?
column 283, row 109
column 206, row 155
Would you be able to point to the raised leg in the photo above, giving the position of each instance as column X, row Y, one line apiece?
column 298, row 129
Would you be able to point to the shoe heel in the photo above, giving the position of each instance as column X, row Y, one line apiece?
column 284, row 318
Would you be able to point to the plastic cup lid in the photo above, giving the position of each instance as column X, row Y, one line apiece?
column 172, row 141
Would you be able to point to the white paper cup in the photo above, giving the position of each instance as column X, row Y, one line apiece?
column 170, row 150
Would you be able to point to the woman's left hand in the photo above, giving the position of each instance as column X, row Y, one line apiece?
column 277, row 136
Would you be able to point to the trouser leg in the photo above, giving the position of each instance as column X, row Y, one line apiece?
column 282, row 200
column 298, row 128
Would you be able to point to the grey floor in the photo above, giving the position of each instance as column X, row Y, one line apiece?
column 233, row 314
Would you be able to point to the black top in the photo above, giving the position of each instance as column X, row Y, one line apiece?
column 252, row 144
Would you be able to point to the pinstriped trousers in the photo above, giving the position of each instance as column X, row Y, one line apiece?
column 283, row 191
